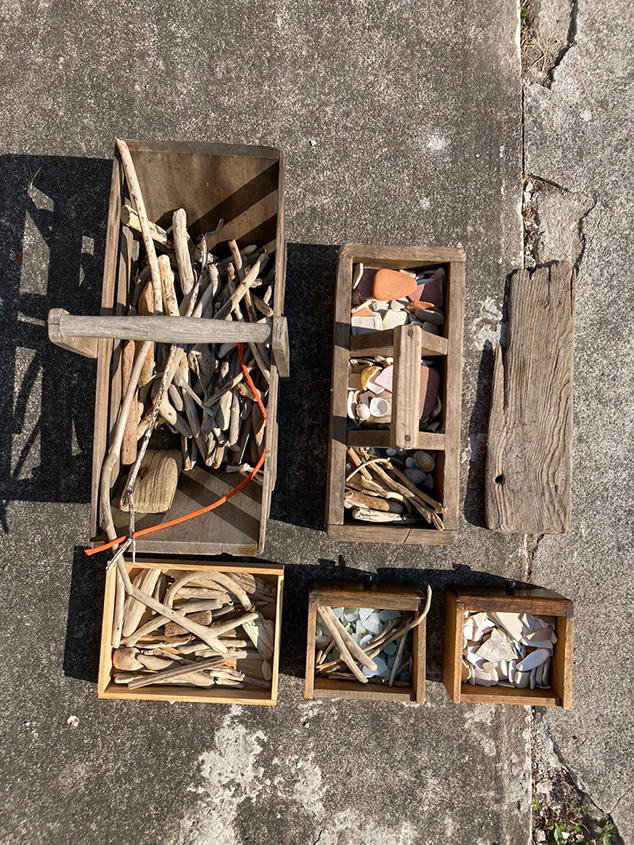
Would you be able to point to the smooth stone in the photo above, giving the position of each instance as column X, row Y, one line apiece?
column 364, row 325
column 391, row 452
column 437, row 408
column 429, row 327
column 511, row 622
column 424, row 461
column 390, row 284
column 409, row 461
column 393, row 318
column 415, row 475
column 429, row 316
column 534, row 659
column 428, row 482
column 434, row 426
column 363, row 412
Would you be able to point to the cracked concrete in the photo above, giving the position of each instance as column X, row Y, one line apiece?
column 578, row 135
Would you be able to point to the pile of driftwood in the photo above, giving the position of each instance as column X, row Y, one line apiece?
column 194, row 628
column 356, row 657
column 200, row 392
column 378, row 491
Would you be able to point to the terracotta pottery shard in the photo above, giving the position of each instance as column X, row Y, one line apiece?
column 390, row 284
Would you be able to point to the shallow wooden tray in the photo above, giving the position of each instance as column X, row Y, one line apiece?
column 106, row 688
column 380, row 597
column 532, row 600
column 245, row 186
column 447, row 346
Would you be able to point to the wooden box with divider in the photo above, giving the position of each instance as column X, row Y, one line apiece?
column 394, row 440
column 534, row 623
column 215, row 219
column 366, row 643
column 231, row 653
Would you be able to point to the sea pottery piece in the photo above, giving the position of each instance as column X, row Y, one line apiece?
column 510, row 649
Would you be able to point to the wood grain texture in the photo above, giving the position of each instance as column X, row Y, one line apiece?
column 529, row 458
column 408, row 344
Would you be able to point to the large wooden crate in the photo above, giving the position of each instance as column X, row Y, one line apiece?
column 244, row 186
column 447, row 346
column 106, row 688
column 531, row 600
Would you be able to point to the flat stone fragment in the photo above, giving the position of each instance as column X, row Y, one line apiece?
column 511, row 622
column 498, row 647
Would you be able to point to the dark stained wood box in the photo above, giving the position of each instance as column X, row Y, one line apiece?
column 106, row 688
column 447, row 346
column 244, row 186
column 532, row 600
column 379, row 597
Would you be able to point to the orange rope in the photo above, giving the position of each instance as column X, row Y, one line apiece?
column 144, row 531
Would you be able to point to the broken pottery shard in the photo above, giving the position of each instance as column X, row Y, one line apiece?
column 522, row 679
column 394, row 318
column 429, row 386
column 384, row 378
column 432, row 291
column 534, row 659
column 367, row 374
column 483, row 678
column 540, row 639
column 498, row 647
column 363, row 325
column 511, row 622
column 390, row 284
column 364, row 288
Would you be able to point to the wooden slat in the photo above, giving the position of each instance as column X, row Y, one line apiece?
column 309, row 672
column 454, row 613
column 357, row 533
column 406, row 387
column 452, row 412
column 419, row 649
column 529, row 459
column 561, row 667
column 379, row 438
column 382, row 343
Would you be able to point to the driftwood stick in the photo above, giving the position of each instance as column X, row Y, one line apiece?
column 136, row 196
column 177, row 672
column 158, row 621
column 202, row 632
column 397, row 660
column 343, row 650
column 115, row 449
column 181, row 247
column 119, row 604
column 353, row 647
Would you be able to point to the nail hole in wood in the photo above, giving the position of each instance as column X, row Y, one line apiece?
column 499, row 479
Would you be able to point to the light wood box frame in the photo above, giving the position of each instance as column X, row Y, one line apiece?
column 244, row 185
column 106, row 688
column 447, row 346
column 380, row 596
column 533, row 600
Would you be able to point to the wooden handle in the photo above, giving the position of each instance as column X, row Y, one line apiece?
column 408, row 343
column 65, row 328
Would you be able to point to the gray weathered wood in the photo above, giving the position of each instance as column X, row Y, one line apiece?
column 280, row 347
column 529, row 459
column 68, row 327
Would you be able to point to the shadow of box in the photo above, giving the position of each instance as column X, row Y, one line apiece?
column 531, row 600
column 378, row 596
column 445, row 347
column 107, row 688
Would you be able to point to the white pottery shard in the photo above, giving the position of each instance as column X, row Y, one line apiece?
column 522, row 679
column 539, row 639
column 534, row 659
column 497, row 647
column 511, row 622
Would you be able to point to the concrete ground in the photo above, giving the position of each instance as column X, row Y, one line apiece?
column 401, row 123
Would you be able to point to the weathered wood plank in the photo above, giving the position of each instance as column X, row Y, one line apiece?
column 529, row 459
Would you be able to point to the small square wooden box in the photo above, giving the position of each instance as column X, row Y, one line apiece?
column 379, row 597
column 446, row 346
column 526, row 600
column 106, row 688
